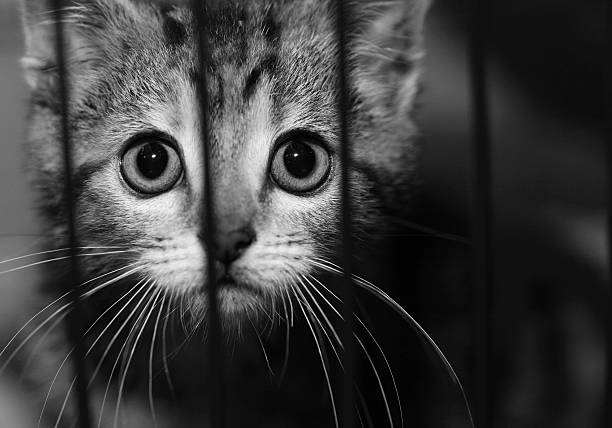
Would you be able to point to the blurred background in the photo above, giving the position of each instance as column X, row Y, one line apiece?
column 546, row 81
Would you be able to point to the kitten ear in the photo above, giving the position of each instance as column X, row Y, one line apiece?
column 388, row 51
column 85, row 30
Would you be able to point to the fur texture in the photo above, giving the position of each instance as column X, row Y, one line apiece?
column 272, row 70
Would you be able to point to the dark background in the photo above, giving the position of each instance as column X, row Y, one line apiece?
column 546, row 103
column 546, row 100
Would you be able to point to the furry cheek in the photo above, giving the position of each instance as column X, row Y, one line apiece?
column 177, row 264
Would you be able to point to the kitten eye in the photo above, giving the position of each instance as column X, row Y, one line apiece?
column 300, row 164
column 151, row 165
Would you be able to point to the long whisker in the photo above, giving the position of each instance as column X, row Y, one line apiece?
column 154, row 298
column 428, row 231
column 378, row 379
column 88, row 352
column 287, row 337
column 57, row 250
column 91, row 346
column 263, row 349
column 165, row 345
column 407, row 317
column 182, row 313
column 118, row 278
column 327, row 321
column 174, row 314
column 134, row 291
column 61, row 413
column 323, row 359
column 364, row 405
column 360, row 321
column 383, row 393
column 151, row 351
column 140, row 287
column 26, row 250
column 23, row 327
column 57, row 312
column 56, row 374
column 397, row 308
column 360, row 419
column 322, row 328
column 57, row 422
column 290, row 307
column 55, row 259
column 34, row 352
column 30, row 335
column 68, row 394
column 110, row 377
column 388, row 366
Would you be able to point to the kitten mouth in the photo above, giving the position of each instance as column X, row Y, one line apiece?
column 227, row 281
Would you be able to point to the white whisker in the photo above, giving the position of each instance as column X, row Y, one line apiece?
column 90, row 348
column 407, row 317
column 397, row 308
column 40, row 342
column 61, row 413
column 57, row 250
column 378, row 379
column 165, row 345
column 134, row 291
column 108, row 347
column 329, row 339
column 30, row 335
column 388, row 365
column 154, row 299
column 40, row 326
column 151, row 351
column 323, row 363
column 382, row 353
column 32, row 319
column 55, row 259
column 263, row 349
column 365, row 407
column 327, row 321
column 287, row 337
column 111, row 281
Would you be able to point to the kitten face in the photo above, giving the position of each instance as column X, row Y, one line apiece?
column 272, row 82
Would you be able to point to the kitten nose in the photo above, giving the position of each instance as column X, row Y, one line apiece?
column 230, row 245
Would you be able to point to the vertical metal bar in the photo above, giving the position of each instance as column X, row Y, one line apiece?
column 348, row 358
column 607, row 411
column 199, row 10
column 74, row 318
column 482, row 213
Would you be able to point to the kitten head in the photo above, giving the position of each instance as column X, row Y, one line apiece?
column 272, row 78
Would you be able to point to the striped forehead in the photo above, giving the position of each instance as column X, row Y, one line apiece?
column 254, row 80
column 242, row 55
column 238, row 71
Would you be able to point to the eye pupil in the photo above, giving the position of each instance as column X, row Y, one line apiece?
column 152, row 160
column 300, row 159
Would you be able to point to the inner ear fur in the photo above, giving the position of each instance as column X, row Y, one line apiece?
column 88, row 26
column 388, row 50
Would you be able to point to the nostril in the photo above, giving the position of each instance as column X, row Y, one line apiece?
column 244, row 243
column 230, row 246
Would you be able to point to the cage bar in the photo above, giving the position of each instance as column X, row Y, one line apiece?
column 607, row 410
column 74, row 318
column 217, row 413
column 348, row 356
column 482, row 214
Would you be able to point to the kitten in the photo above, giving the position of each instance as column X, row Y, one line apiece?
column 272, row 79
